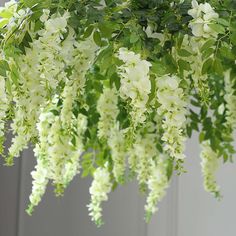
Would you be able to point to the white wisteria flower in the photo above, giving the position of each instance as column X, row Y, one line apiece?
column 173, row 109
column 108, row 111
column 99, row 189
column 117, row 144
column 157, row 185
column 203, row 16
column 230, row 99
column 135, row 83
column 141, row 156
column 4, row 105
column 209, row 164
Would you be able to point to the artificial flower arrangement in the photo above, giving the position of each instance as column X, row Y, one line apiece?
column 113, row 88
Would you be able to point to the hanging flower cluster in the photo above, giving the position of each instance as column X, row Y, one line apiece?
column 203, row 17
column 135, row 83
column 230, row 99
column 173, row 110
column 157, row 184
column 101, row 186
column 210, row 164
column 112, row 91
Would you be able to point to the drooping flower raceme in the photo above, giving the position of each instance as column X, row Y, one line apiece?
column 203, row 16
column 108, row 129
column 157, row 185
column 230, row 99
column 135, row 83
column 117, row 144
column 108, row 111
column 3, row 110
column 173, row 109
column 99, row 189
column 72, row 165
column 40, row 69
column 142, row 154
column 41, row 173
column 61, row 138
column 209, row 164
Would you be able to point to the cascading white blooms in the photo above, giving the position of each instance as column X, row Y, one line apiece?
column 69, row 90
column 57, row 155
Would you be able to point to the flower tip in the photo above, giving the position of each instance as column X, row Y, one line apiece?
column 9, row 161
column 99, row 223
column 148, row 217
column 30, row 210
column 59, row 190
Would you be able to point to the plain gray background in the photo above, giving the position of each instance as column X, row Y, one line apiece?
column 187, row 210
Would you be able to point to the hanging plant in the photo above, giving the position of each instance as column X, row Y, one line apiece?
column 112, row 89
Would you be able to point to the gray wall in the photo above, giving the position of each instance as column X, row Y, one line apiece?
column 9, row 202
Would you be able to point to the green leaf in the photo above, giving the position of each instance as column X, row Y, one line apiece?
column 201, row 137
column 217, row 28
column 208, row 52
column 4, row 67
column 115, row 79
column 184, row 53
column 41, row 4
column 3, row 22
column 184, row 65
column 153, row 90
column 223, row 22
column 170, row 168
column 233, row 38
column 97, row 38
column 55, row 112
column 134, row 38
column 158, row 68
column 106, row 29
column 14, row 75
column 217, row 65
column 227, row 52
column 208, row 44
column 88, row 31
column 207, row 65
column 100, row 77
